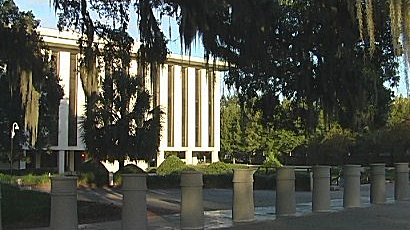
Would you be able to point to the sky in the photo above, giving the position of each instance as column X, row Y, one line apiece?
column 43, row 10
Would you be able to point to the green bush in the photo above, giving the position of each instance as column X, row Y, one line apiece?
column 127, row 169
column 161, row 182
column 92, row 173
column 29, row 179
column 219, row 168
column 172, row 165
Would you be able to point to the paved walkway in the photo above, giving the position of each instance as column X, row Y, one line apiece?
column 217, row 202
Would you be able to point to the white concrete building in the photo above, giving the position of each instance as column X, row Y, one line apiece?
column 186, row 88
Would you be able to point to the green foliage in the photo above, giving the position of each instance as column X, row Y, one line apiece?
column 220, row 168
column 399, row 111
column 171, row 165
column 333, row 147
column 22, row 51
column 127, row 169
column 24, row 206
column 92, row 173
column 28, row 179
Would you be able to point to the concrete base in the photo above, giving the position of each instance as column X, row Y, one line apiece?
column 321, row 189
column 192, row 209
column 285, row 191
column 351, row 194
column 243, row 208
column 134, row 208
column 378, row 184
column 63, row 203
column 401, row 184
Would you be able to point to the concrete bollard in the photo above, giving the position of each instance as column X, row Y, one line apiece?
column 192, row 209
column 134, row 202
column 401, row 183
column 1, row 225
column 285, row 191
column 351, row 194
column 63, row 203
column 377, row 183
column 243, row 209
column 321, row 189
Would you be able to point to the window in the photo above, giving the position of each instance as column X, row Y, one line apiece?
column 55, row 60
column 170, row 112
column 184, row 106
column 72, row 102
column 155, row 82
column 211, row 107
column 198, row 115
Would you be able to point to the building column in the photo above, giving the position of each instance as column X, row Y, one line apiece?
column 71, row 163
column 61, row 161
column 22, row 164
column 188, row 157
column 215, row 156
column 160, row 158
column 38, row 160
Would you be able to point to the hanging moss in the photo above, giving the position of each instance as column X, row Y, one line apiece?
column 30, row 103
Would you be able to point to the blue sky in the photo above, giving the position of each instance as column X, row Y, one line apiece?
column 44, row 12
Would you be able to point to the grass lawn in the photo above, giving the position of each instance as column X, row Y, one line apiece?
column 24, row 208
column 28, row 209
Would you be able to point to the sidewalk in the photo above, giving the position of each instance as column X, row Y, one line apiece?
column 390, row 216
column 380, row 217
column 217, row 202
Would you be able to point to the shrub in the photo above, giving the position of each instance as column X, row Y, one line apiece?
column 92, row 173
column 221, row 168
column 127, row 169
column 172, row 165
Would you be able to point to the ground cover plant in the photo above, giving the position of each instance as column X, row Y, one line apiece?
column 29, row 209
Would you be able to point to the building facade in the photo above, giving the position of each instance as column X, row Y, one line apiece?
column 186, row 88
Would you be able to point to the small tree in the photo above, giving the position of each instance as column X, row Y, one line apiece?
column 119, row 122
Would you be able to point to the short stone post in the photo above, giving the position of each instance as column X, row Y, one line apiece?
column 243, row 209
column 134, row 202
column 401, row 183
column 351, row 194
column 1, row 225
column 321, row 189
column 63, row 203
column 192, row 209
column 377, row 183
column 285, row 191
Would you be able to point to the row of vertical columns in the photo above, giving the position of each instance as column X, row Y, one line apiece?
column 134, row 211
